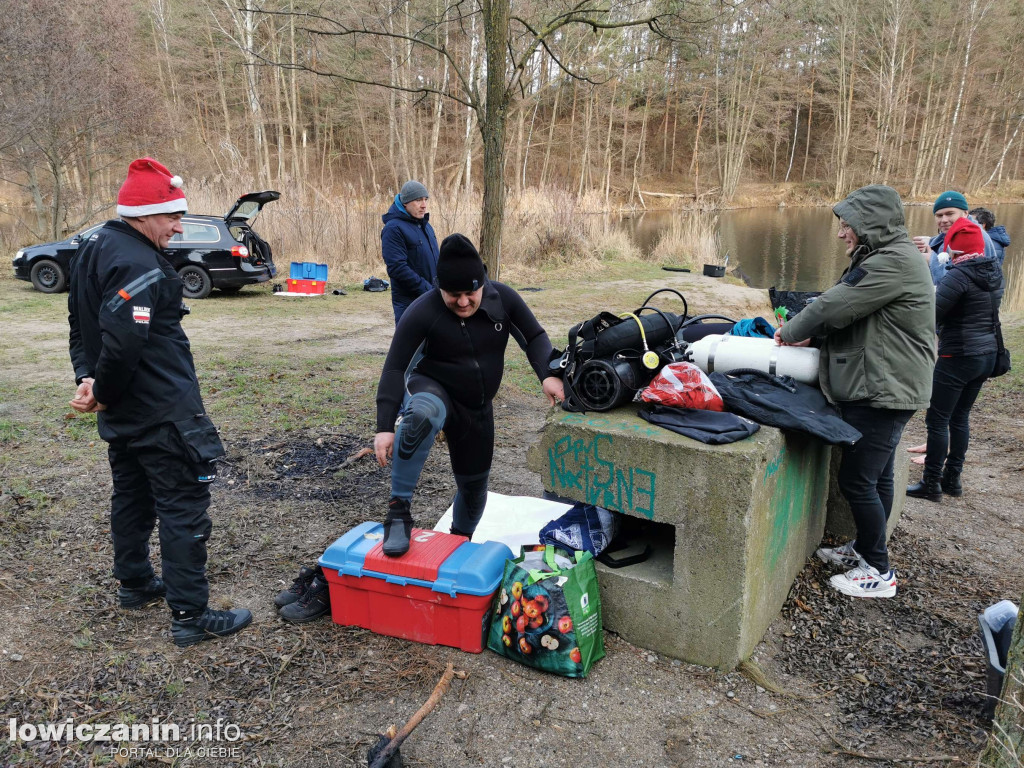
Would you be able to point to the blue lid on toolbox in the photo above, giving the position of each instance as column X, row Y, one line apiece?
column 308, row 270
column 439, row 561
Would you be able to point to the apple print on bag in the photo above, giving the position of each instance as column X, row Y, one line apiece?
column 547, row 611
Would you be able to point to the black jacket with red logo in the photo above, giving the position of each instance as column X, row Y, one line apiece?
column 467, row 357
column 124, row 308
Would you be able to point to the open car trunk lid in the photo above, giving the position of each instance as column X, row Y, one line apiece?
column 247, row 207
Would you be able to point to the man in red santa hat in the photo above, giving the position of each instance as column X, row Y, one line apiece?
column 134, row 369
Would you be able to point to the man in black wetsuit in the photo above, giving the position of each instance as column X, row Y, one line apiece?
column 462, row 328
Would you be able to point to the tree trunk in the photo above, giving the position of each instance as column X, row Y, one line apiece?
column 492, row 130
column 608, row 146
column 551, row 138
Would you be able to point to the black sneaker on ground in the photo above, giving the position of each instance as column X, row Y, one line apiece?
column 139, row 597
column 397, row 528
column 313, row 604
column 189, row 630
column 298, row 587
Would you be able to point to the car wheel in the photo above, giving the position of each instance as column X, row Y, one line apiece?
column 231, row 290
column 48, row 276
column 197, row 283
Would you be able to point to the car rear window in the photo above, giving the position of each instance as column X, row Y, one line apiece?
column 197, row 233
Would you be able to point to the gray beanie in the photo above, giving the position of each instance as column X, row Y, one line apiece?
column 412, row 190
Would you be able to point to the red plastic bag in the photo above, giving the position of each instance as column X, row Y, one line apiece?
column 683, row 385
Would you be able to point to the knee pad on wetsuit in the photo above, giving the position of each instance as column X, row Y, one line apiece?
column 469, row 502
column 422, row 418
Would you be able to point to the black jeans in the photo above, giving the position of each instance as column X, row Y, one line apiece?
column 155, row 478
column 866, row 475
column 955, row 386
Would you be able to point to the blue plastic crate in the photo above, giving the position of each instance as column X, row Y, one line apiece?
column 308, row 270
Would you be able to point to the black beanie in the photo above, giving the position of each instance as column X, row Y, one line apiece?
column 459, row 267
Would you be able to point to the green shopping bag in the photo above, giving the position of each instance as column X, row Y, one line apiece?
column 547, row 612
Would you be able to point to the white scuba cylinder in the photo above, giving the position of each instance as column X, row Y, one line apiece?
column 729, row 353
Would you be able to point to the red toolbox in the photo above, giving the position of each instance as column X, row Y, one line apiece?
column 439, row 592
column 306, row 286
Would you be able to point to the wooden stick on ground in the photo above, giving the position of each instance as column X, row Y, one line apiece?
column 422, row 712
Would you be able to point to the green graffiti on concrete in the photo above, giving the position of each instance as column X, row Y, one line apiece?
column 578, row 469
column 788, row 502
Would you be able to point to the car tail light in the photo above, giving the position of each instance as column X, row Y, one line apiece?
column 240, row 251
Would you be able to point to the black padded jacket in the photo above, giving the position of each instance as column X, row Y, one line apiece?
column 467, row 357
column 124, row 308
column 966, row 301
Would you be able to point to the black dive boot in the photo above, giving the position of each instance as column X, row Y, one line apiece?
column 929, row 488
column 397, row 528
column 951, row 483
column 140, row 595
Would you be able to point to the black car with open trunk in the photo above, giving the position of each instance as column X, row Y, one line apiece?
column 212, row 252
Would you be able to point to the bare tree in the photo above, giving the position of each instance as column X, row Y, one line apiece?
column 68, row 106
column 511, row 38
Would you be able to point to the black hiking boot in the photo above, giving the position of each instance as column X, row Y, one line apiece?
column 143, row 594
column 193, row 627
column 313, row 604
column 926, row 489
column 456, row 532
column 951, row 483
column 298, row 587
column 397, row 528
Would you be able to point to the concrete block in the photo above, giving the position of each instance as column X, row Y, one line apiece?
column 731, row 526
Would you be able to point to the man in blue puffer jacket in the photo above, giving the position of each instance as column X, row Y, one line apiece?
column 409, row 246
column 998, row 235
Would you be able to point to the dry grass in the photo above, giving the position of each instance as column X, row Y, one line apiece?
column 544, row 229
column 691, row 239
column 1006, row 743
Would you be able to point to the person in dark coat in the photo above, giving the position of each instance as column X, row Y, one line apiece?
column 966, row 311
column 877, row 332
column 948, row 207
column 458, row 333
column 409, row 246
column 134, row 370
column 997, row 233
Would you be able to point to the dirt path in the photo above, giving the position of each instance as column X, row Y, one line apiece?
column 836, row 682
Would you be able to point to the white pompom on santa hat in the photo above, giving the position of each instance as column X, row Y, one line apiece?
column 150, row 188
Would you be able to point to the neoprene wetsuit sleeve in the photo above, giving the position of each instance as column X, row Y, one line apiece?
column 531, row 337
column 409, row 334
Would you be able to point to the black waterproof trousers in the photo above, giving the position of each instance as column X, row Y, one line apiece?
column 156, row 478
column 866, row 475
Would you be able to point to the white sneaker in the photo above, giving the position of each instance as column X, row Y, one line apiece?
column 865, row 581
column 845, row 555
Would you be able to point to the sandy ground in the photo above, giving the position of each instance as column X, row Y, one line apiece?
column 836, row 682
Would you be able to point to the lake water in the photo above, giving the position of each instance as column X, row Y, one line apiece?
column 797, row 248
